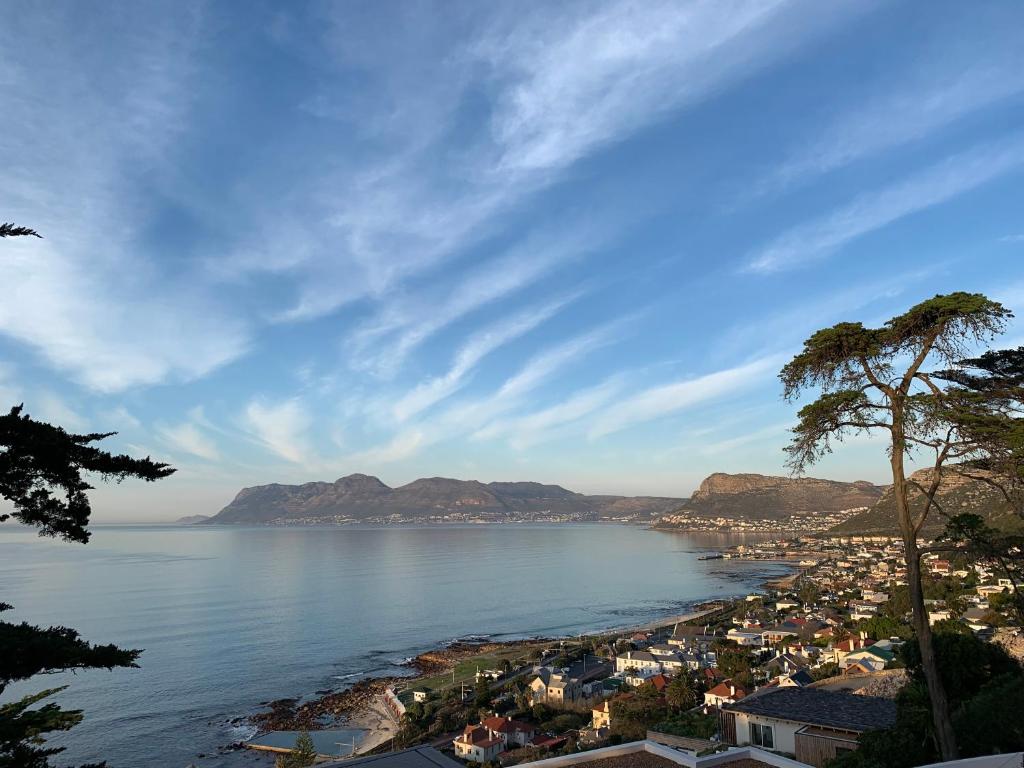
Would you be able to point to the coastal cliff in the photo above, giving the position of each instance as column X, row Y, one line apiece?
column 363, row 498
column 766, row 497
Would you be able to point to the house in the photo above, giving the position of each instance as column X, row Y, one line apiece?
column 638, row 660
column 513, row 733
column 550, row 687
column 660, row 682
column 741, row 637
column 800, row 679
column 477, row 745
column 420, row 695
column 871, row 657
column 785, row 663
column 813, row 724
column 726, row 692
column 601, row 715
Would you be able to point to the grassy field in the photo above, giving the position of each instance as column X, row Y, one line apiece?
column 465, row 670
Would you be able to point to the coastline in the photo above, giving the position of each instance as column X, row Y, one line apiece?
column 361, row 705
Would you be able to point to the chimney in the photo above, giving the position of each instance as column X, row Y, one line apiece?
column 732, row 690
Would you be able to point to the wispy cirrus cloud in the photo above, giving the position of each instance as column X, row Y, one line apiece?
column 474, row 414
column 670, row 398
column 471, row 353
column 560, row 82
column 281, row 427
column 188, row 437
column 933, row 186
column 405, row 321
column 549, row 423
column 89, row 298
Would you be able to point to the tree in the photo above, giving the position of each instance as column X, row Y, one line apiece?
column 41, row 474
column 873, row 379
column 807, row 591
column 483, row 696
column 680, row 694
column 303, row 754
column 13, row 230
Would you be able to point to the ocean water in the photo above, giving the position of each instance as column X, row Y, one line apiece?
column 231, row 617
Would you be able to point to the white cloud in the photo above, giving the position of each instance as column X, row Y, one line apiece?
column 401, row 446
column 471, row 416
column 560, row 83
column 676, row 396
column 404, row 322
column 281, row 428
column 90, row 298
column 578, row 80
column 549, row 423
column 479, row 345
column 189, row 438
column 874, row 210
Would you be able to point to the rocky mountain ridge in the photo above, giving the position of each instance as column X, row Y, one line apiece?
column 767, row 497
column 363, row 498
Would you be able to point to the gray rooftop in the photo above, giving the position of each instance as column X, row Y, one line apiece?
column 833, row 709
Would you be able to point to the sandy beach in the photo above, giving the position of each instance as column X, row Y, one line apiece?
column 378, row 723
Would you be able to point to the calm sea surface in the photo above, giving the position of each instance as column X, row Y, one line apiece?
column 232, row 616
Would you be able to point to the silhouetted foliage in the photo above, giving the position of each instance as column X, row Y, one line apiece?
column 13, row 230
column 39, row 460
column 41, row 473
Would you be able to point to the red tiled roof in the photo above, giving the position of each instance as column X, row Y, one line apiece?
column 506, row 725
column 726, row 689
column 659, row 681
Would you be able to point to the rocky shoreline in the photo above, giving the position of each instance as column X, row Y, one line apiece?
column 355, row 703
column 330, row 709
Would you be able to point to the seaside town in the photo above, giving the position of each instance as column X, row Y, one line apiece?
column 798, row 671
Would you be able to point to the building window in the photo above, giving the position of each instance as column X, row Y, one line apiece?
column 762, row 736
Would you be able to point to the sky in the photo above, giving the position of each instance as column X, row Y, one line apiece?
column 566, row 242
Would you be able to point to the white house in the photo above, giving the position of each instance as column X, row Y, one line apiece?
column 641, row 661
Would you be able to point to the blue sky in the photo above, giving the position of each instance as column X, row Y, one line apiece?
column 565, row 242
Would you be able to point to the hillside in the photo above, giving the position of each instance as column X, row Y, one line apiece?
column 765, row 497
column 957, row 495
column 362, row 498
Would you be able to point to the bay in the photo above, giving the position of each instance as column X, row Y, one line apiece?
column 230, row 617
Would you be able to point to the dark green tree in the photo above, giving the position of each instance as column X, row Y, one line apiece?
column 483, row 695
column 680, row 694
column 303, row 754
column 874, row 379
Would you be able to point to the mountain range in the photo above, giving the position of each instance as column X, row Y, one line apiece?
column 363, row 498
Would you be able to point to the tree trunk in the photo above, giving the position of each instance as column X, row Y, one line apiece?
column 944, row 737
